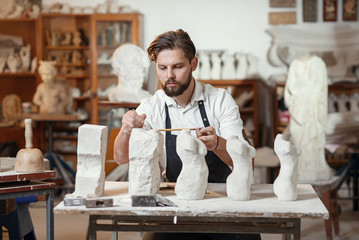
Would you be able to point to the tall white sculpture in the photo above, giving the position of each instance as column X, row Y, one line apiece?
column 130, row 63
column 192, row 181
column 252, row 70
column 240, row 180
column 285, row 185
column 306, row 96
column 145, row 150
column 91, row 156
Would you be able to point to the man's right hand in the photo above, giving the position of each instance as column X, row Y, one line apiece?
column 132, row 120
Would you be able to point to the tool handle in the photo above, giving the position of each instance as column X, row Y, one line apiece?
column 28, row 133
column 174, row 129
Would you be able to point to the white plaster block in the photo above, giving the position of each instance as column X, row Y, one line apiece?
column 91, row 156
column 239, row 181
column 145, row 150
column 193, row 179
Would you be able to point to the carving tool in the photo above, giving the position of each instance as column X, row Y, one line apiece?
column 151, row 201
column 174, row 129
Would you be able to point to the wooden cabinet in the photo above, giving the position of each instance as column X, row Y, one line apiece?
column 109, row 31
column 64, row 38
column 249, row 110
column 20, row 83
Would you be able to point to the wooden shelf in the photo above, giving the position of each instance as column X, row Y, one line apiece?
column 18, row 20
column 81, row 98
column 66, row 48
column 20, row 74
column 71, row 64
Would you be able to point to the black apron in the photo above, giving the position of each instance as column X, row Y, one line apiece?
column 218, row 170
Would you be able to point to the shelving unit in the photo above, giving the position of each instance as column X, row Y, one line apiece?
column 129, row 30
column 250, row 111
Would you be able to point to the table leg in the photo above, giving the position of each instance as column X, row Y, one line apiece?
column 50, row 215
column 355, row 170
column 0, row 219
column 92, row 229
column 328, row 223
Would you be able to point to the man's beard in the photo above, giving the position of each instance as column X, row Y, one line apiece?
column 179, row 90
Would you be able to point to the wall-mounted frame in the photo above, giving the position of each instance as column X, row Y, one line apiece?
column 309, row 10
column 350, row 10
column 330, row 9
column 282, row 3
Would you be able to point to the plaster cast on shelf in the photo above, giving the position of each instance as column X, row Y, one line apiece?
column 25, row 58
column 228, row 71
column 192, row 181
column 238, row 184
column 354, row 102
column 2, row 63
column 242, row 65
column 145, row 151
column 252, row 70
column 91, row 156
column 130, row 63
column 12, row 63
column 205, row 68
column 342, row 103
column 285, row 185
column 216, row 70
column 51, row 96
column 332, row 101
column 306, row 96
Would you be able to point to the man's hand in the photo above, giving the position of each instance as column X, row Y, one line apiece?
column 208, row 136
column 132, row 120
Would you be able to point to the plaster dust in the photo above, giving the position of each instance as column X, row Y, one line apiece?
column 91, row 154
column 145, row 150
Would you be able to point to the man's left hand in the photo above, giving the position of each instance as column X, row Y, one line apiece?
column 208, row 136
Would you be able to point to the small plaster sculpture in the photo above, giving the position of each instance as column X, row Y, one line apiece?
column 241, row 70
column 285, row 185
column 130, row 64
column 228, row 71
column 145, row 151
column 2, row 63
column 91, row 156
column 239, row 181
column 25, row 58
column 252, row 70
column 205, row 68
column 12, row 63
column 51, row 96
column 306, row 96
column 216, row 70
column 193, row 179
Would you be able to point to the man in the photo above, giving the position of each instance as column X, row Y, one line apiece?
column 184, row 102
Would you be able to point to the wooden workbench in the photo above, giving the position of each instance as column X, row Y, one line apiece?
column 263, row 213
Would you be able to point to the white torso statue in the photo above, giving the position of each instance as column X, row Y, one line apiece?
column 205, row 68
column 145, row 150
column 306, row 96
column 216, row 71
column 130, row 64
column 285, row 185
column 239, row 181
column 228, row 70
column 192, row 181
column 242, row 66
column 53, row 97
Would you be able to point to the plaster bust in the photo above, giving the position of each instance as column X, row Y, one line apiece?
column 51, row 96
column 130, row 64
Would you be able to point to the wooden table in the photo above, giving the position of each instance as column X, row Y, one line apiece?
column 263, row 213
column 14, row 185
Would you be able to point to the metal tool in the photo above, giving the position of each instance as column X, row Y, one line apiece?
column 74, row 201
column 151, row 201
column 99, row 203
column 174, row 129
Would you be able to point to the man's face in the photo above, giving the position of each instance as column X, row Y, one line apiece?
column 174, row 71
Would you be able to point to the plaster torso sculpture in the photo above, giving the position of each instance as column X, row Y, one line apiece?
column 12, row 63
column 91, row 156
column 241, row 70
column 332, row 100
column 228, row 71
column 192, row 181
column 354, row 102
column 216, row 71
column 306, row 96
column 130, row 64
column 51, row 96
column 252, row 70
column 205, row 69
column 2, row 63
column 145, row 150
column 285, row 185
column 239, row 181
column 342, row 103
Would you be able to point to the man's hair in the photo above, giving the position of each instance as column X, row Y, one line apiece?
column 171, row 40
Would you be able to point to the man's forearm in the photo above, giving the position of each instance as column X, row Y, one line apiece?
column 221, row 151
column 121, row 145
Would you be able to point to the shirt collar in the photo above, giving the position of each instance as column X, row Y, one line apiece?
column 196, row 96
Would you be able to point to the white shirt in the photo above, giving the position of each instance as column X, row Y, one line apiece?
column 221, row 109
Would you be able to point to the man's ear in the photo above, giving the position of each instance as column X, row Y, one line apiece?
column 194, row 63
